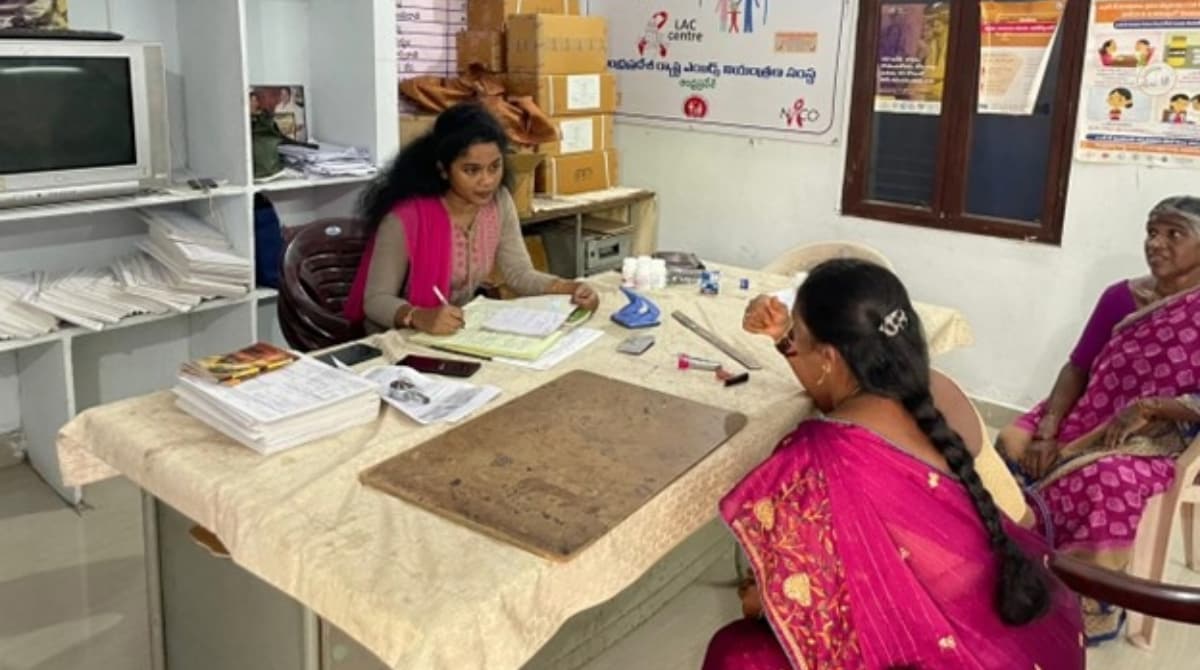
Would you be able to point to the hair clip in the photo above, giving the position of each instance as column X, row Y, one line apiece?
column 894, row 322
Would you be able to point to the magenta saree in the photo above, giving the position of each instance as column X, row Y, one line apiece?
column 1096, row 495
column 866, row 557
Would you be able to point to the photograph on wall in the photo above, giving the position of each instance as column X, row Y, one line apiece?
column 33, row 14
column 911, row 67
column 286, row 104
column 1141, row 84
column 1015, row 41
column 756, row 68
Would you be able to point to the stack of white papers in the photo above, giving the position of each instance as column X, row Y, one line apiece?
column 572, row 343
column 92, row 299
column 425, row 399
column 17, row 319
column 284, row 408
column 182, row 262
column 526, row 321
column 197, row 258
column 328, row 160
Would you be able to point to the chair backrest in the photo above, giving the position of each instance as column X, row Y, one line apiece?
column 809, row 256
column 964, row 418
column 319, row 265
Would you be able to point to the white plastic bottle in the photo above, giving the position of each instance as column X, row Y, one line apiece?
column 629, row 272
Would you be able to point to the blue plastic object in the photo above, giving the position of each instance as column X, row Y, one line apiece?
column 639, row 313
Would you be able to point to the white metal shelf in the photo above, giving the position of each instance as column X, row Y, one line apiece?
column 138, row 320
column 297, row 183
column 78, row 207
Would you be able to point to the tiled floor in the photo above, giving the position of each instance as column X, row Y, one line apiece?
column 73, row 597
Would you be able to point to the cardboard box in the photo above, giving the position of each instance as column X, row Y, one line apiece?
column 491, row 14
column 578, row 173
column 484, row 48
column 580, row 135
column 413, row 126
column 543, row 44
column 523, row 167
column 568, row 94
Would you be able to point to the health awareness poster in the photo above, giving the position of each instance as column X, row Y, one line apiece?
column 1140, row 99
column 761, row 68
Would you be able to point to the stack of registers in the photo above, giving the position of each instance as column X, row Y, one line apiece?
column 536, row 332
column 560, row 59
column 269, row 399
column 181, row 262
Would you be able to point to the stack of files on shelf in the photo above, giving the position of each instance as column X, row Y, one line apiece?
column 281, row 408
column 181, row 263
column 17, row 319
column 92, row 299
column 328, row 161
column 197, row 258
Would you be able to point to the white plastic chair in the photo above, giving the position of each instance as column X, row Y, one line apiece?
column 1153, row 543
column 806, row 257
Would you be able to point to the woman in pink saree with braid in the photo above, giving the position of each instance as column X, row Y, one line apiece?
column 873, row 541
column 1126, row 403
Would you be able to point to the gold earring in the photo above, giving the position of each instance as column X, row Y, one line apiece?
column 824, row 373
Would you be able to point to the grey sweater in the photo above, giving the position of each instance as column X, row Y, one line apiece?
column 389, row 267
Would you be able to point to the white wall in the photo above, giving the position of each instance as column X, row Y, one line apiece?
column 743, row 202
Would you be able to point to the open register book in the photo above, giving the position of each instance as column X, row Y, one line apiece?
column 299, row 402
column 521, row 329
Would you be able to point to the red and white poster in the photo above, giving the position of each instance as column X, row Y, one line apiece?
column 762, row 68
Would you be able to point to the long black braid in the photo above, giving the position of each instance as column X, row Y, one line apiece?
column 863, row 311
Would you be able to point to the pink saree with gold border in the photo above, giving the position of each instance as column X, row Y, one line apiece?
column 866, row 557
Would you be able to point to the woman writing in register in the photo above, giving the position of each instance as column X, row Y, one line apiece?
column 1125, row 404
column 874, row 541
column 443, row 219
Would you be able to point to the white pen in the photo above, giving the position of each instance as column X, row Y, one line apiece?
column 438, row 292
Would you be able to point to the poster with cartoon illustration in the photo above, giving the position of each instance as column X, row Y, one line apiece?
column 1141, row 84
column 762, row 68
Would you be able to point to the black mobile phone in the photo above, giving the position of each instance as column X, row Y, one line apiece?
column 350, row 355
column 440, row 366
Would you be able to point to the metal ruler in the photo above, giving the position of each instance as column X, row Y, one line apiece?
column 715, row 340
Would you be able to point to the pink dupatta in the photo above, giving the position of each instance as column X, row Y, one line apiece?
column 428, row 235
column 866, row 557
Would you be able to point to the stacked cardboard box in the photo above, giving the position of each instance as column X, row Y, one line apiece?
column 482, row 44
column 562, row 61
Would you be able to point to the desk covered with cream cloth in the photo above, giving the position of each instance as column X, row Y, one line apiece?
column 417, row 590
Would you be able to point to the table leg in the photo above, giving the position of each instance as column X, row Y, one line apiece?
column 579, row 255
column 158, row 659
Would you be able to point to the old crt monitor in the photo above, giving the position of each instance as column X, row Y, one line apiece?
column 81, row 120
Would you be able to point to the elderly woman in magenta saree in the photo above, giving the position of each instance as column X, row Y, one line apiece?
column 1125, row 405
column 873, row 540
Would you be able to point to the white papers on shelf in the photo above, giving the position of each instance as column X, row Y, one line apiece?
column 328, row 160
column 91, row 299
column 17, row 319
column 572, row 343
column 284, row 408
column 181, row 263
column 426, row 399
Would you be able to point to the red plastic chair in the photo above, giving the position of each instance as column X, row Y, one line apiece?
column 319, row 265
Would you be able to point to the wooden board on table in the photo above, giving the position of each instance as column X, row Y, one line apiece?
column 557, row 468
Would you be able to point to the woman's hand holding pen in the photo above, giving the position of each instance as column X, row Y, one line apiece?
column 444, row 320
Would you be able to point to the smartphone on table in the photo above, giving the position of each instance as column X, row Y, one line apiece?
column 350, row 355
column 440, row 366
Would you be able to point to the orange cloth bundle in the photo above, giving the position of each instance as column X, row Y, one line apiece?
column 520, row 116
